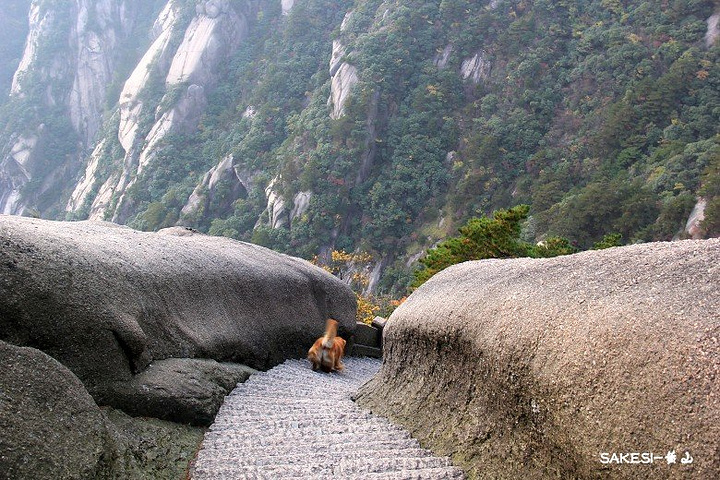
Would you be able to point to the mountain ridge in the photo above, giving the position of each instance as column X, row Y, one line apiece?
column 370, row 125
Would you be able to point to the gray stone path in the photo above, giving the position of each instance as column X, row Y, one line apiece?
column 293, row 423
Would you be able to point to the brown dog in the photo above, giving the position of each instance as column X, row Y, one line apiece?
column 327, row 351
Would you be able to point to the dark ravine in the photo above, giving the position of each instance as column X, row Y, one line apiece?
column 533, row 368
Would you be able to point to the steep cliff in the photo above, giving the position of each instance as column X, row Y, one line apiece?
column 190, row 71
column 13, row 30
column 58, row 96
column 369, row 125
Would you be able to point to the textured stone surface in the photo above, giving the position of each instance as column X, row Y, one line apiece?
column 533, row 368
column 379, row 322
column 106, row 301
column 50, row 427
column 367, row 335
column 77, row 75
column 183, row 390
column 162, row 450
column 344, row 75
column 365, row 351
column 291, row 422
column 160, row 54
column 191, row 74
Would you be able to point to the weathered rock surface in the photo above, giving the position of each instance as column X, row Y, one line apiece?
column 161, row 450
column 533, row 368
column 476, row 68
column 222, row 176
column 191, row 71
column 344, row 75
column 182, row 390
column 287, row 6
column 51, row 427
column 106, row 301
column 693, row 227
column 84, row 188
column 344, row 78
column 160, row 54
column 713, row 30
column 75, row 78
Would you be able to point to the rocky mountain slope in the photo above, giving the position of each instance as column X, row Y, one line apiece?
column 378, row 125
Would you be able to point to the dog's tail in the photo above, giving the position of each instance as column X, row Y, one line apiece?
column 330, row 333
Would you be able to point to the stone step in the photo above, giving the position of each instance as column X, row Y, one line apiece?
column 298, row 420
column 252, row 455
column 303, row 421
column 372, row 447
column 441, row 473
column 259, row 474
column 293, row 423
column 318, row 409
column 377, row 468
column 409, row 457
column 360, row 432
column 367, row 351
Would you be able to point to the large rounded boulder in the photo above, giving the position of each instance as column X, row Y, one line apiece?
column 51, row 428
column 603, row 364
column 108, row 301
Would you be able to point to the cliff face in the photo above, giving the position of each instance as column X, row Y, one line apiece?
column 189, row 71
column 13, row 32
column 69, row 61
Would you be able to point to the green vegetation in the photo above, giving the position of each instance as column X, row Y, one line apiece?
column 482, row 238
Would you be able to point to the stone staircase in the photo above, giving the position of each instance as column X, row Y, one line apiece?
column 293, row 423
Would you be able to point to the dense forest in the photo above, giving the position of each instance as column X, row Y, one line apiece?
column 382, row 127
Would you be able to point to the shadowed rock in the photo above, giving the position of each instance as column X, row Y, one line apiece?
column 181, row 390
column 51, row 428
column 532, row 368
column 106, row 301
